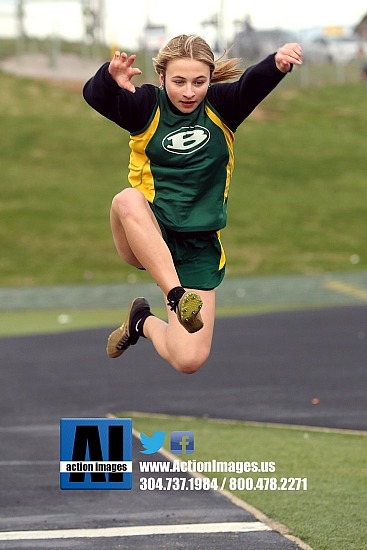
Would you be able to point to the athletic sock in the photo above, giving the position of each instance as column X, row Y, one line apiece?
column 138, row 320
column 174, row 296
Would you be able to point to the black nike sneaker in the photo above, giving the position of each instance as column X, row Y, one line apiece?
column 131, row 329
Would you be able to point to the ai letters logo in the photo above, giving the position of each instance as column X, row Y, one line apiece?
column 182, row 443
column 96, row 453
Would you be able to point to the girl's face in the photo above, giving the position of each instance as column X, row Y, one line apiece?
column 186, row 82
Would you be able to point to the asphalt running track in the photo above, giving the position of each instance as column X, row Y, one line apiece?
column 264, row 368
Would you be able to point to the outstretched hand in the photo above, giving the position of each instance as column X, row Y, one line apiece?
column 122, row 71
column 287, row 55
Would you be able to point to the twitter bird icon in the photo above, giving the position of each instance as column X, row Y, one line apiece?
column 152, row 444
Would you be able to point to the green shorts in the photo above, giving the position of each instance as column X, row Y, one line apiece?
column 198, row 257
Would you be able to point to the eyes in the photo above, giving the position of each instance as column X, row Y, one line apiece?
column 196, row 83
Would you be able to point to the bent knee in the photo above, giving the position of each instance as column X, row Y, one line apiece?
column 190, row 365
column 126, row 202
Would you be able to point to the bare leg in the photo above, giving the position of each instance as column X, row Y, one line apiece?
column 185, row 352
column 139, row 242
column 138, row 238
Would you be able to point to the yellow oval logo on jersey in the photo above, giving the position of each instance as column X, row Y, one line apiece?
column 186, row 140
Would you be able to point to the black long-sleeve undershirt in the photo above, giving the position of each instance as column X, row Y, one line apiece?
column 233, row 101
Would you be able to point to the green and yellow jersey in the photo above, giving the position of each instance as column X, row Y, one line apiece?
column 183, row 165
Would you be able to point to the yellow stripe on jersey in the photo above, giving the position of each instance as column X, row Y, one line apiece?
column 140, row 174
column 222, row 260
column 229, row 137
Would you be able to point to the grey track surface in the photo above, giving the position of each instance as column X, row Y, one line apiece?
column 264, row 367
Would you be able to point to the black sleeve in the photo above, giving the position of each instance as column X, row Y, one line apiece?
column 236, row 100
column 131, row 111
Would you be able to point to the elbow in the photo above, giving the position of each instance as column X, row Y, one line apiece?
column 86, row 91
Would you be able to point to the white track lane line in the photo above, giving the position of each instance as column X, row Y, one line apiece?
column 142, row 530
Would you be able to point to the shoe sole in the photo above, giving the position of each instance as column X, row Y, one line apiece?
column 188, row 312
column 121, row 333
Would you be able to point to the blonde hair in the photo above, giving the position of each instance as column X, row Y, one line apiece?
column 194, row 47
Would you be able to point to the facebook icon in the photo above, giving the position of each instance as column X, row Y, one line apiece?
column 182, row 443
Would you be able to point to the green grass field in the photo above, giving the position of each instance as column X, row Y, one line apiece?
column 297, row 201
column 329, row 515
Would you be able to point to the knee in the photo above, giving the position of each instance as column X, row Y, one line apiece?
column 191, row 363
column 126, row 202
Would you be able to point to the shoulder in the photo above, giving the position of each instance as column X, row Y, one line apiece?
column 140, row 106
column 128, row 110
column 236, row 100
column 136, row 109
